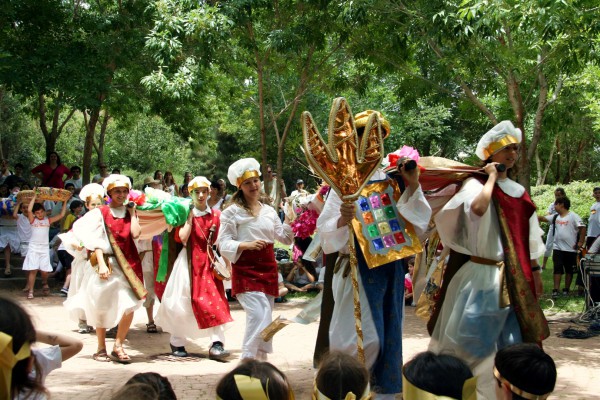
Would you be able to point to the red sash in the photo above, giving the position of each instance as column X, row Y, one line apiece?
column 255, row 271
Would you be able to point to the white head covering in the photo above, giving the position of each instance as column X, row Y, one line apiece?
column 116, row 180
column 243, row 169
column 199, row 181
column 497, row 138
column 90, row 191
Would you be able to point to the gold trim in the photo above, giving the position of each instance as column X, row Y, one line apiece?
column 376, row 260
column 247, row 175
column 116, row 185
column 410, row 391
column 361, row 119
column 196, row 185
column 517, row 391
column 494, row 147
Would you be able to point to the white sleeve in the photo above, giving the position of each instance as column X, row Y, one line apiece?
column 332, row 238
column 416, row 210
column 89, row 230
column 537, row 248
column 283, row 232
column 49, row 359
column 227, row 238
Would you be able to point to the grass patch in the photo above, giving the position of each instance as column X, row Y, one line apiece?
column 571, row 303
column 302, row 295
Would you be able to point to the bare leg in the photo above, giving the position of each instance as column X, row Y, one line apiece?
column 7, row 259
column 31, row 280
column 557, row 278
column 123, row 329
column 101, row 335
column 568, row 280
column 150, row 313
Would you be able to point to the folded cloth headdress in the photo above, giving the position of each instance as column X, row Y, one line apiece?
column 116, row 180
column 91, row 190
column 199, row 181
column 243, row 169
column 497, row 138
column 367, row 395
column 8, row 359
column 250, row 388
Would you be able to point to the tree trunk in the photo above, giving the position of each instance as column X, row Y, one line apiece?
column 558, row 159
column 51, row 136
column 88, row 147
column 543, row 174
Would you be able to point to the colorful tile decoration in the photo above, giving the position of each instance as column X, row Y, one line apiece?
column 381, row 222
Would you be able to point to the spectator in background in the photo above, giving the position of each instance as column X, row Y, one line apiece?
column 408, row 283
column 558, row 193
column 103, row 168
column 158, row 176
column 569, row 233
column 272, row 178
column 524, row 371
column 16, row 179
column 4, row 171
column 593, row 230
column 52, row 171
column 170, row 185
column 75, row 177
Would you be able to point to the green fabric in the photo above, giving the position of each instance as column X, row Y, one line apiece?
column 176, row 209
column 163, row 261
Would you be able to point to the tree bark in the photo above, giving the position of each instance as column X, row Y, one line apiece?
column 88, row 146
column 542, row 174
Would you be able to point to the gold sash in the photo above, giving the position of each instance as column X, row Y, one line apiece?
column 136, row 285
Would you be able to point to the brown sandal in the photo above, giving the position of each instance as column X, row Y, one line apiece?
column 120, row 355
column 45, row 289
column 101, row 356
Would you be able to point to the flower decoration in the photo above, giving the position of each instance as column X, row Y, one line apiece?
column 137, row 196
column 306, row 224
column 405, row 151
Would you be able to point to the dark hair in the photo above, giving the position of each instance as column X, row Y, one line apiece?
column 339, row 374
column 15, row 321
column 560, row 190
column 74, row 204
column 158, row 171
column 116, row 171
column 216, row 185
column 156, row 382
column 596, row 188
column 36, row 207
column 278, row 387
column 441, row 375
column 57, row 158
column 77, row 167
column 564, row 201
column 527, row 367
column 19, row 165
column 69, row 184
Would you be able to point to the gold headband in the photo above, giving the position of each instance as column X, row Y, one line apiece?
column 92, row 196
column 251, row 388
column 197, row 185
column 518, row 391
column 367, row 394
column 360, row 121
column 410, row 391
column 116, row 184
column 499, row 145
column 247, row 175
column 8, row 359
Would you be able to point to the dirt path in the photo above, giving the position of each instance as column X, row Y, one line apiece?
column 195, row 378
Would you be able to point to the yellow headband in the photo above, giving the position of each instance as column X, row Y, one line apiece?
column 367, row 395
column 247, row 175
column 517, row 391
column 360, row 121
column 8, row 359
column 499, row 145
column 91, row 197
column 410, row 391
column 251, row 388
column 117, row 184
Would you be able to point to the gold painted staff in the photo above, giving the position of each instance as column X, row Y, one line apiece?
column 346, row 163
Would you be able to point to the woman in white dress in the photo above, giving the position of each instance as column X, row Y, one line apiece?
column 110, row 296
column 248, row 231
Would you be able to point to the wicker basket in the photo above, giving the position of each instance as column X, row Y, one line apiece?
column 44, row 193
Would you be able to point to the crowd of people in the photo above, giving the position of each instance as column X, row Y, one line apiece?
column 486, row 324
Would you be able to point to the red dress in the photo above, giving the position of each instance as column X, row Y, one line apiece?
column 208, row 296
column 121, row 230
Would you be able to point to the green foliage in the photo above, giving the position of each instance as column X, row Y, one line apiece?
column 579, row 192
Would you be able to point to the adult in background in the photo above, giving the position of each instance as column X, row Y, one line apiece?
column 488, row 298
column 248, row 231
column 52, row 171
column 272, row 178
column 593, row 230
column 558, row 193
column 75, row 177
column 103, row 173
column 569, row 233
column 216, row 198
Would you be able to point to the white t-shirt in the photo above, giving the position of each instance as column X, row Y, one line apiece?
column 77, row 182
column 40, row 231
column 594, row 221
column 23, row 228
column 566, row 231
column 49, row 359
